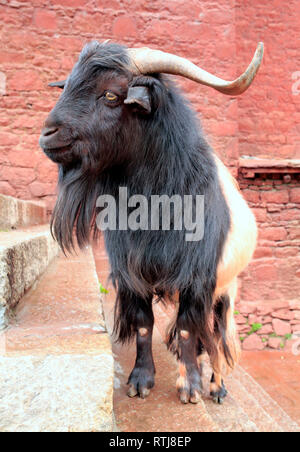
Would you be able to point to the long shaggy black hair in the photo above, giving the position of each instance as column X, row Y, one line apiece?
column 163, row 152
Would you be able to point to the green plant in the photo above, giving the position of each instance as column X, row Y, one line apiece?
column 236, row 313
column 102, row 289
column 281, row 345
column 254, row 328
column 273, row 335
column 288, row 336
column 242, row 338
column 264, row 339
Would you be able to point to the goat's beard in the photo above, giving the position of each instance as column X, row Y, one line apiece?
column 74, row 215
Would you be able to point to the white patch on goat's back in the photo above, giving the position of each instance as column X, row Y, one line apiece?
column 241, row 240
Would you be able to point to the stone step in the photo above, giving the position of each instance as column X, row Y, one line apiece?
column 15, row 213
column 24, row 256
column 247, row 408
column 55, row 357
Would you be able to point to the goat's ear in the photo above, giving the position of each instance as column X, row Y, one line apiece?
column 139, row 97
column 60, row 84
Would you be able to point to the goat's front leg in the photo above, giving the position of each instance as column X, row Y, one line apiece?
column 141, row 379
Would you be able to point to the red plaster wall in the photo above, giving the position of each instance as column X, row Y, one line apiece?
column 40, row 41
column 269, row 118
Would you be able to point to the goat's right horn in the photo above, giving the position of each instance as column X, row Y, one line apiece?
column 149, row 61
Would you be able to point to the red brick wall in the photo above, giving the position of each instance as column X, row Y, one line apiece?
column 40, row 41
column 270, row 286
column 269, row 119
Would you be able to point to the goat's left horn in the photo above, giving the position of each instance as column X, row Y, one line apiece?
column 149, row 61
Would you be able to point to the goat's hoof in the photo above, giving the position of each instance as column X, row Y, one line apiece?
column 132, row 391
column 184, row 396
column 189, row 389
column 196, row 397
column 189, row 384
column 140, row 382
column 192, row 396
column 219, row 395
column 142, row 391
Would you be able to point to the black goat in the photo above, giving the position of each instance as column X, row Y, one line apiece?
column 120, row 123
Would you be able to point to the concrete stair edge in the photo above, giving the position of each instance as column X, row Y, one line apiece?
column 57, row 368
column 271, row 416
column 24, row 256
column 16, row 213
column 267, row 403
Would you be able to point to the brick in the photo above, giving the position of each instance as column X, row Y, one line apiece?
column 8, row 139
column 243, row 328
column 124, row 26
column 251, row 196
column 273, row 233
column 69, row 3
column 228, row 128
column 6, row 188
column 247, row 308
column 265, row 329
column 296, row 328
column 253, row 319
column 17, row 176
column 281, row 327
column 25, row 80
column 266, row 319
column 266, row 272
column 277, row 197
column 240, row 319
column 45, row 19
column 260, row 214
column 295, row 195
column 286, row 252
column 294, row 233
column 283, row 314
column 253, row 342
column 263, row 251
column 274, row 342
column 39, row 189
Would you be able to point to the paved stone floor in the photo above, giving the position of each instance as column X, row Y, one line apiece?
column 278, row 373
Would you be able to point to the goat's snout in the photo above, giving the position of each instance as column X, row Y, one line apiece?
column 54, row 136
column 47, row 131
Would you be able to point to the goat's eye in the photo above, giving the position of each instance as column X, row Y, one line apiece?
column 111, row 96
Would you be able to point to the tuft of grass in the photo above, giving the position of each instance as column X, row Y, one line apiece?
column 263, row 339
column 242, row 338
column 254, row 328
column 102, row 289
column 288, row 336
column 236, row 312
column 273, row 335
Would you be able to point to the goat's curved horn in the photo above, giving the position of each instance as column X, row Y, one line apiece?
column 149, row 61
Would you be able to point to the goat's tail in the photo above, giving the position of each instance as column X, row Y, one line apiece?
column 228, row 347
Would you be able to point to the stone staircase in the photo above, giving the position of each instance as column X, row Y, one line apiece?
column 247, row 408
column 56, row 364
